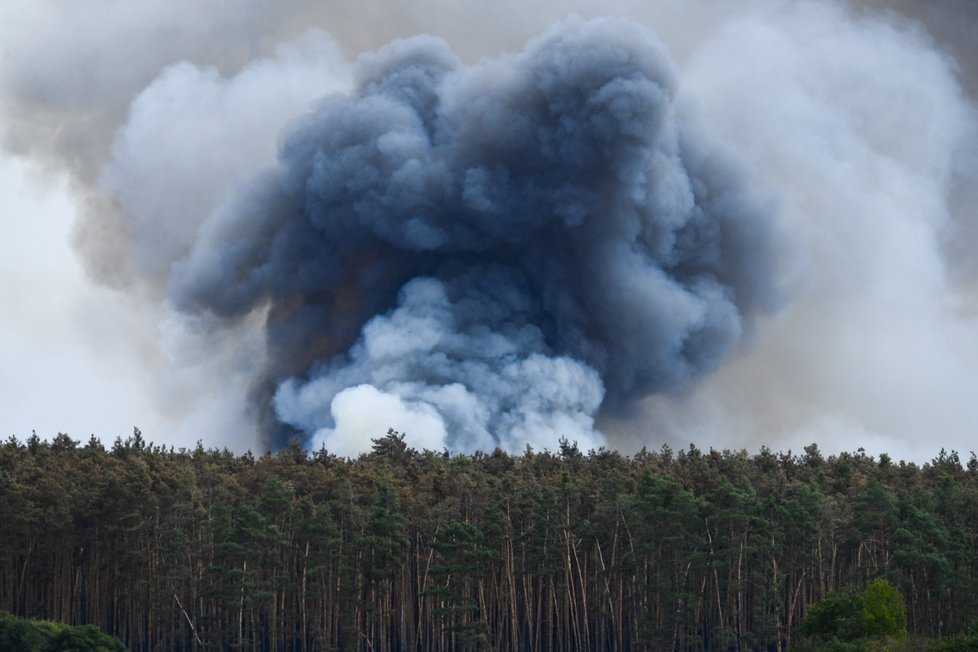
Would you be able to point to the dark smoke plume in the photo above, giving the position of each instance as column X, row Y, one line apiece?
column 488, row 255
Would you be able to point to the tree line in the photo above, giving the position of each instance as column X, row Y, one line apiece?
column 401, row 549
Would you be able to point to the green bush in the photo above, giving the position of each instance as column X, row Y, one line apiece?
column 19, row 635
column 883, row 613
column 837, row 616
column 848, row 620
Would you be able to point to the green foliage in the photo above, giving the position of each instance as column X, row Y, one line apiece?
column 20, row 635
column 461, row 564
column 391, row 447
column 837, row 616
column 883, row 612
column 385, row 543
column 850, row 620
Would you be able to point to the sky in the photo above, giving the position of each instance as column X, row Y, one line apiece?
column 127, row 132
column 55, row 368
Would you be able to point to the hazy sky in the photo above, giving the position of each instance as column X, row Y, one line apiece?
column 57, row 371
column 124, row 127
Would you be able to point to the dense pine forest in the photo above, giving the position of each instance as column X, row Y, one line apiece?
column 405, row 550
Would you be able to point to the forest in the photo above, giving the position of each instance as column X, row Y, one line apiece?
column 401, row 549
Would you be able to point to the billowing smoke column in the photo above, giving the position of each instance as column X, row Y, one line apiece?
column 487, row 255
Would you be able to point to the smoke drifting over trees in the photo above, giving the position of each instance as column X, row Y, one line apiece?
column 579, row 229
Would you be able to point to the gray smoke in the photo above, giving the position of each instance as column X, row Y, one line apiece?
column 493, row 252
column 480, row 251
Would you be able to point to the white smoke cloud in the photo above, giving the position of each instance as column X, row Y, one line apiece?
column 193, row 134
column 363, row 411
column 442, row 383
column 860, row 127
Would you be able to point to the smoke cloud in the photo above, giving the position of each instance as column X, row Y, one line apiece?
column 756, row 231
column 869, row 149
column 496, row 250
